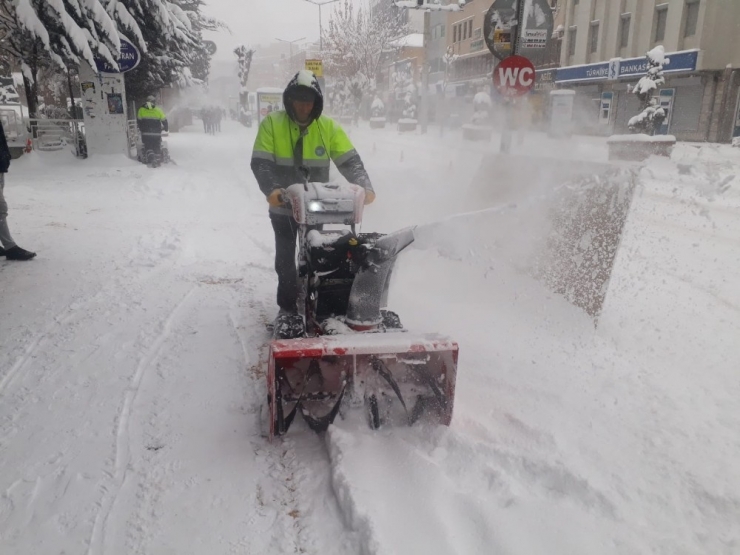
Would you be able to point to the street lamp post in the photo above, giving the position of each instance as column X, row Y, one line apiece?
column 321, row 28
column 291, row 42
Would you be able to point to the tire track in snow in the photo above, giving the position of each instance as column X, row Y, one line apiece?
column 80, row 304
column 295, row 491
column 122, row 455
column 62, row 317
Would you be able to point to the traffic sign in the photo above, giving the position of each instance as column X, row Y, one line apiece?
column 514, row 76
column 500, row 29
column 210, row 47
column 316, row 66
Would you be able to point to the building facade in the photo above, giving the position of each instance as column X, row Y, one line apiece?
column 603, row 53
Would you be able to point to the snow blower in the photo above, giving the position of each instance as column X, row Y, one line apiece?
column 349, row 352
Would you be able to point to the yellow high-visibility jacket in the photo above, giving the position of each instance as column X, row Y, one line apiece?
column 282, row 147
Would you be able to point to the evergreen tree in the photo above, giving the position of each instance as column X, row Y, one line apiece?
column 40, row 33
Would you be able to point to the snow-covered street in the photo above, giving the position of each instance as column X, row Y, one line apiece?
column 133, row 352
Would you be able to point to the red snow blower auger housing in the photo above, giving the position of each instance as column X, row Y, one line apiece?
column 348, row 351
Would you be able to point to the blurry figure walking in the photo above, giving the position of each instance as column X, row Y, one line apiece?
column 9, row 249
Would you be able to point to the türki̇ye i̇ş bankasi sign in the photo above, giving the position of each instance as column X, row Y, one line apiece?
column 617, row 69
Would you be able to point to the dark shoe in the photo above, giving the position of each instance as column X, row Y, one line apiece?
column 2, row 251
column 17, row 253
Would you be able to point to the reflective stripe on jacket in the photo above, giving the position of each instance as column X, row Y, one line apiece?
column 275, row 162
column 152, row 120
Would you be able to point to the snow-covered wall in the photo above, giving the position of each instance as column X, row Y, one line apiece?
column 104, row 108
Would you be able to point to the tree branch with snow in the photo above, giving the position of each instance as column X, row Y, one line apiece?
column 652, row 115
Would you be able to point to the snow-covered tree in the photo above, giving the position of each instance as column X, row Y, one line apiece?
column 651, row 116
column 38, row 33
column 409, row 103
column 449, row 59
column 168, row 35
column 357, row 41
column 244, row 57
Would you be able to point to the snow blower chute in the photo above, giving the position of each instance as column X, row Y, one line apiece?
column 344, row 351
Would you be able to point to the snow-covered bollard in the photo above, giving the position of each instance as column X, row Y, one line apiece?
column 644, row 143
column 479, row 128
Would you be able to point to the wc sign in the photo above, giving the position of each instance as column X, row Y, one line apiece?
column 514, row 76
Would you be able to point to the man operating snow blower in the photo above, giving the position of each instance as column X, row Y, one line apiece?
column 152, row 122
column 335, row 344
column 293, row 145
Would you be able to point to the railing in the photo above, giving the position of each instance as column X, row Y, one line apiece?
column 58, row 134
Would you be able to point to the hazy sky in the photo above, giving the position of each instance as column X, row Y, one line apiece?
column 262, row 21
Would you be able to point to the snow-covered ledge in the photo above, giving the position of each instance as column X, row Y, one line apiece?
column 639, row 147
column 407, row 124
column 473, row 132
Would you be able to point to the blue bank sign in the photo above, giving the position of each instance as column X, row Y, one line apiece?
column 621, row 69
column 128, row 60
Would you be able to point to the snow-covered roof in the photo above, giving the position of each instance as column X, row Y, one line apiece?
column 414, row 40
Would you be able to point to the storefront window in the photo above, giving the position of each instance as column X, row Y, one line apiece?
column 624, row 31
column 661, row 18
column 692, row 18
column 594, row 46
column 572, row 41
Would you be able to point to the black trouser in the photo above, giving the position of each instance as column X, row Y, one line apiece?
column 153, row 143
column 286, row 230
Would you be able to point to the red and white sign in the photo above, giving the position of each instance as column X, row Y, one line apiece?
column 514, row 76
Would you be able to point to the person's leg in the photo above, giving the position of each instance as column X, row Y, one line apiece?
column 157, row 146
column 285, row 229
column 6, row 240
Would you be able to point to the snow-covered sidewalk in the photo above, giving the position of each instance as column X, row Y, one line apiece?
column 132, row 356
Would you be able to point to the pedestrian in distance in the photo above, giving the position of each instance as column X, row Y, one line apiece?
column 8, row 248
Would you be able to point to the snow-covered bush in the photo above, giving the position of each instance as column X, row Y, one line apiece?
column 651, row 116
column 377, row 109
column 409, row 106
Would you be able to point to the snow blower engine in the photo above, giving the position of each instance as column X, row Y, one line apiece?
column 348, row 351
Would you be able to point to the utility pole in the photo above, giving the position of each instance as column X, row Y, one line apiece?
column 321, row 28
column 424, row 100
column 507, row 135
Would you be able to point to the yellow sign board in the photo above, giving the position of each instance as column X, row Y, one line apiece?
column 317, row 66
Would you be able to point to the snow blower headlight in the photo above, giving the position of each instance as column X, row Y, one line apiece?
column 315, row 206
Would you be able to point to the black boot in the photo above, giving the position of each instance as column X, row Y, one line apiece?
column 2, row 251
column 288, row 325
column 17, row 253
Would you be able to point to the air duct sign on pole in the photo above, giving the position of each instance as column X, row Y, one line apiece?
column 500, row 29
